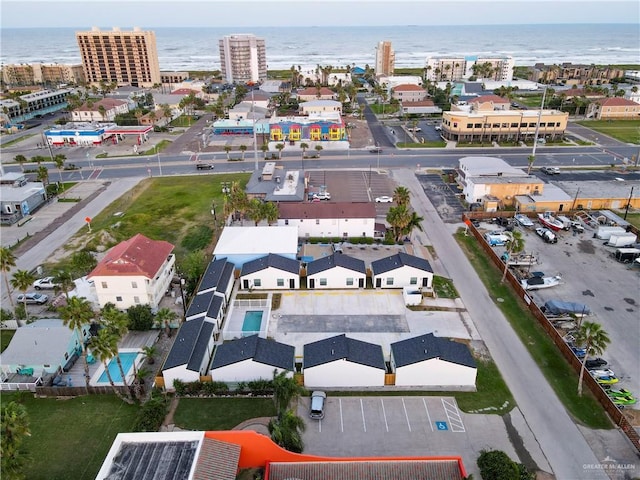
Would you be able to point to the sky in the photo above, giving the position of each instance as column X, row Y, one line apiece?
column 274, row 13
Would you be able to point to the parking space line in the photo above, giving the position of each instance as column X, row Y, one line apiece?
column 406, row 414
column 341, row 420
column 453, row 415
column 320, row 425
column 424, row 401
column 364, row 424
column 384, row 414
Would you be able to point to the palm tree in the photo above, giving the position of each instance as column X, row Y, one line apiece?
column 255, row 210
column 594, row 340
column 280, row 147
column 103, row 112
column 415, row 221
column 163, row 319
column 270, row 212
column 104, row 347
column 515, row 245
column 227, row 149
column 76, row 314
column 398, row 217
column 243, row 148
column 318, row 149
column 14, row 427
column 264, row 148
column 7, row 262
column 285, row 390
column 286, row 431
column 401, row 195
column 43, row 175
column 149, row 353
column 64, row 281
column 21, row 159
column 530, row 161
column 59, row 161
column 22, row 280
column 304, row 147
column 116, row 323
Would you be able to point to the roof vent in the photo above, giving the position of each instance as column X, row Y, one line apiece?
column 332, row 351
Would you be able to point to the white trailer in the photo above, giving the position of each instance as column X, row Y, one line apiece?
column 622, row 240
column 604, row 232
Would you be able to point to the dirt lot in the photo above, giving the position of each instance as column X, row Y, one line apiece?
column 359, row 135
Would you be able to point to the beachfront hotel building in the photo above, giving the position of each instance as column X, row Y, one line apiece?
column 452, row 69
column 127, row 58
column 243, row 58
column 48, row 74
column 502, row 125
column 385, row 59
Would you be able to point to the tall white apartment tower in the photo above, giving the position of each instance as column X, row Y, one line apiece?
column 243, row 58
column 385, row 59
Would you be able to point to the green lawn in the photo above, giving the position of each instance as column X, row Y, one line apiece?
column 5, row 338
column 555, row 368
column 17, row 140
column 427, row 144
column 632, row 218
column 624, row 130
column 70, row 438
column 220, row 413
column 388, row 109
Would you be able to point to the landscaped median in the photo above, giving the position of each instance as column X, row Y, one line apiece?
column 555, row 368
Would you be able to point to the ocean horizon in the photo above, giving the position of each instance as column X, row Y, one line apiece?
column 196, row 48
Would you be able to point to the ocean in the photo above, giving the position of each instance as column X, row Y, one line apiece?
column 197, row 48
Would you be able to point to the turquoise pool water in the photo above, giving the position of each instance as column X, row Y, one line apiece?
column 127, row 359
column 252, row 321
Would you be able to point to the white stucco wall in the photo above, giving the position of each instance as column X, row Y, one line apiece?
column 331, row 227
column 336, row 278
column 435, row 373
column 402, row 277
column 269, row 279
column 179, row 373
column 343, row 373
column 245, row 371
column 474, row 192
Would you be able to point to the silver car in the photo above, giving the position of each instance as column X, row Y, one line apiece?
column 33, row 298
column 318, row 400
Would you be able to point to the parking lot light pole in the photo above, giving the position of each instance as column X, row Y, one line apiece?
column 158, row 155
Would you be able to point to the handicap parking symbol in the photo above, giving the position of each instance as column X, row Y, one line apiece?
column 442, row 426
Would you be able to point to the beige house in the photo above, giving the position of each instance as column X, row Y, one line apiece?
column 313, row 93
column 137, row 271
column 320, row 107
column 489, row 102
column 408, row 93
column 419, row 108
column 104, row 110
column 614, row 108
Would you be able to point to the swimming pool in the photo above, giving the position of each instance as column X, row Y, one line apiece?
column 252, row 321
column 127, row 359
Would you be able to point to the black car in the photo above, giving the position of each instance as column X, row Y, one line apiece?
column 204, row 166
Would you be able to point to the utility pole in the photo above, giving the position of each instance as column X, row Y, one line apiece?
column 626, row 210
column 255, row 140
column 535, row 137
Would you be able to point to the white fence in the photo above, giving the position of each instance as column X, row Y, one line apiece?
column 251, row 303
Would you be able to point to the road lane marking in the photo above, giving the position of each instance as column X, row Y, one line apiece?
column 406, row 414
column 385, row 415
column 453, row 414
column 364, row 424
column 428, row 416
column 341, row 421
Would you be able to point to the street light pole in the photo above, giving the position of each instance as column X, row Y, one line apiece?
column 159, row 164
column 255, row 140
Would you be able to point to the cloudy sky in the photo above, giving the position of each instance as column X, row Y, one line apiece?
column 241, row 13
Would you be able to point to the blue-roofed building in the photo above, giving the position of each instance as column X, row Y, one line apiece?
column 251, row 358
column 336, row 271
column 271, row 272
column 402, row 270
column 341, row 361
column 430, row 361
column 190, row 354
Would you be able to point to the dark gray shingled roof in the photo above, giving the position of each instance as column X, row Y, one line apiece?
column 254, row 347
column 215, row 306
column 199, row 304
column 398, row 260
column 271, row 260
column 341, row 347
column 426, row 347
column 190, row 345
column 217, row 275
column 336, row 260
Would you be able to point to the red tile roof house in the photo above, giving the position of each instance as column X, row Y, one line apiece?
column 92, row 112
column 490, row 102
column 614, row 108
column 137, row 271
column 408, row 92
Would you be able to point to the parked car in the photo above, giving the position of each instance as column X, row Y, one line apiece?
column 375, row 150
column 384, row 199
column 546, row 235
column 318, row 400
column 417, row 129
column 33, row 298
column 594, row 363
column 550, row 170
column 496, row 239
column 523, row 220
column 438, row 128
column 45, row 283
column 504, row 222
column 205, row 166
column 322, row 196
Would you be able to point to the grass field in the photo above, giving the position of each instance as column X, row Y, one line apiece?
column 555, row 368
column 171, row 209
column 70, row 438
column 5, row 338
column 624, row 130
column 220, row 413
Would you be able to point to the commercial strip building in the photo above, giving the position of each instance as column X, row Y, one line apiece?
column 243, row 58
column 32, row 104
column 492, row 126
column 385, row 59
column 117, row 56
column 450, row 69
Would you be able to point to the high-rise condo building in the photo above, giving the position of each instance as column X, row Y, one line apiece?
column 243, row 58
column 452, row 69
column 385, row 59
column 127, row 58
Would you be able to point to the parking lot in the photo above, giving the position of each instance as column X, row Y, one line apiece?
column 402, row 426
column 443, row 197
column 591, row 275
